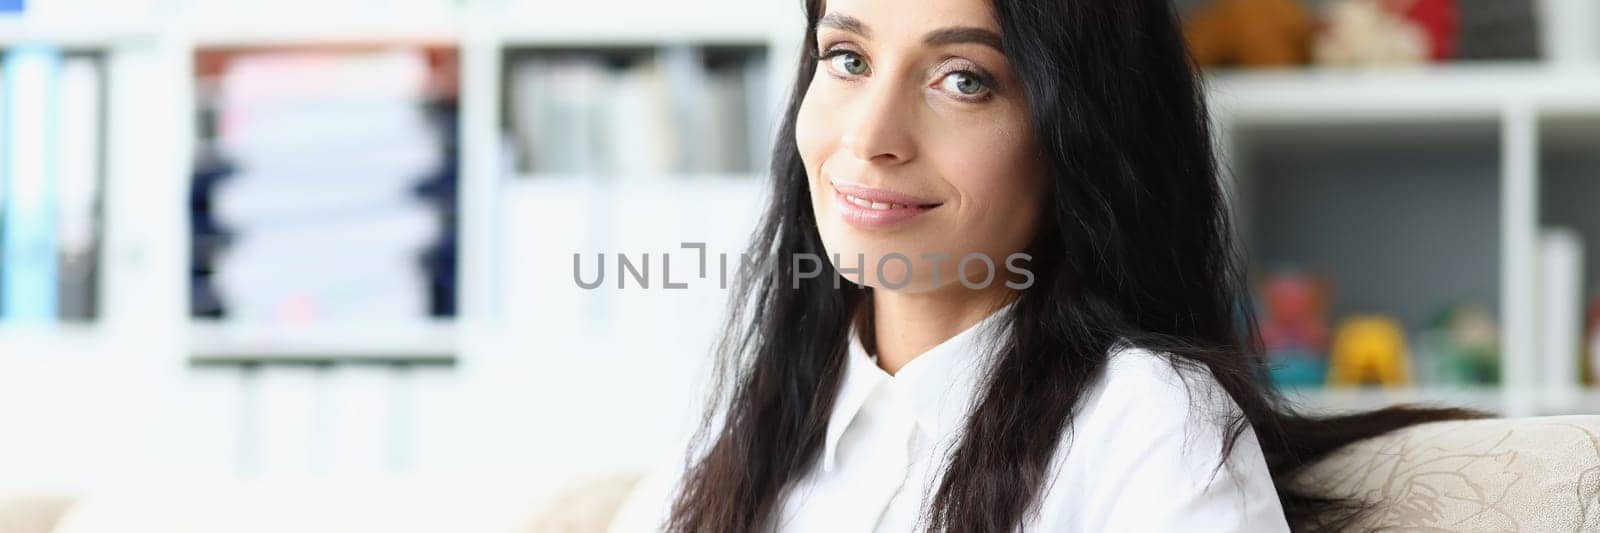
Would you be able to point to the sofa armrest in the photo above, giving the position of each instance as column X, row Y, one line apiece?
column 1520, row 474
column 587, row 504
column 31, row 512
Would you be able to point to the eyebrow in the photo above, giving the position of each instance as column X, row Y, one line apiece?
column 939, row 37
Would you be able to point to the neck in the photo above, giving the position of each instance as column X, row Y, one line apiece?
column 907, row 325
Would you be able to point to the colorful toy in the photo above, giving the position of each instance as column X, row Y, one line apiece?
column 1463, row 346
column 1255, row 33
column 1369, row 349
column 1294, row 329
column 1440, row 20
column 1371, row 32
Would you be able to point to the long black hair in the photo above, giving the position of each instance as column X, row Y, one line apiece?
column 1134, row 242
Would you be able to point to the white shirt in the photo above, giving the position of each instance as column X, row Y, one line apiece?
column 1141, row 454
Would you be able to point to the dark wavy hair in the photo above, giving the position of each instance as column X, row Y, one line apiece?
column 1134, row 242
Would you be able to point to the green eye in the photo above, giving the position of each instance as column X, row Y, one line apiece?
column 964, row 84
column 849, row 62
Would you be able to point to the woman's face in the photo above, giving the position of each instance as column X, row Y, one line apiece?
column 916, row 138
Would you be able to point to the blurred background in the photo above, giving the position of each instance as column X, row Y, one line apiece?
column 253, row 239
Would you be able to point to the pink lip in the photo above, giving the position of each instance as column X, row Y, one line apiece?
column 879, row 195
column 868, row 218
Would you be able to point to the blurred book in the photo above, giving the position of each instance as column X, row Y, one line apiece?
column 1565, row 35
column 1498, row 30
column 208, row 237
column 5, row 161
column 676, row 110
column 80, row 167
column 1560, row 308
column 759, row 110
column 51, row 163
column 324, row 150
column 27, row 227
column 440, row 191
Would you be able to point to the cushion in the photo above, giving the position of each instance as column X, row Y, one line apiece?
column 1523, row 474
column 31, row 512
column 506, row 502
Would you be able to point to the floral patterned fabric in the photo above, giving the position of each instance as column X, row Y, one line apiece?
column 1528, row 474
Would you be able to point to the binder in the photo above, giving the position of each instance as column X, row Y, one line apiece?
column 79, row 186
column 1561, row 309
column 28, row 283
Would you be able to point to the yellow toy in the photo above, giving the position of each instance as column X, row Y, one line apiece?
column 1369, row 349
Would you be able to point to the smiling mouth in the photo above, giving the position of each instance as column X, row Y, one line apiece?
column 878, row 209
column 879, row 199
column 882, row 206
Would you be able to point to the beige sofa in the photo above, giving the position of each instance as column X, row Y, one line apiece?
column 1532, row 474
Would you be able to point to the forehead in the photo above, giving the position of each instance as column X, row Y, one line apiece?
column 915, row 16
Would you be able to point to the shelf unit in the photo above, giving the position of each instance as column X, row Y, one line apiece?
column 673, row 110
column 1337, row 400
column 521, row 334
column 1514, row 97
column 426, row 343
column 483, row 31
column 1481, row 130
column 353, row 339
column 227, row 387
column 1399, row 94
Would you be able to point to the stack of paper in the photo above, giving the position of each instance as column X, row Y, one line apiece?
column 327, row 147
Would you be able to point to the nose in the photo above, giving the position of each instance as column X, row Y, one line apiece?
column 880, row 126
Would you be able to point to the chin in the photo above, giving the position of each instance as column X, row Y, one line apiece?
column 883, row 266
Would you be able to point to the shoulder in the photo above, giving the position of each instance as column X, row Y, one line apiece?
column 1157, row 384
column 1145, row 452
column 1152, row 399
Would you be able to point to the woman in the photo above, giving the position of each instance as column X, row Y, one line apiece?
column 1032, row 315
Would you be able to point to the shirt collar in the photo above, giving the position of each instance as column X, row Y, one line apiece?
column 941, row 384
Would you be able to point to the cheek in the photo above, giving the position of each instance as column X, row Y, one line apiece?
column 812, row 135
column 999, row 181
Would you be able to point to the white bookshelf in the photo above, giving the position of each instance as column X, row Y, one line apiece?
column 95, row 35
column 249, row 34
column 1400, row 94
column 1507, row 94
column 1311, row 98
column 74, row 341
column 493, row 347
column 1516, row 103
column 431, row 342
column 1335, row 399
